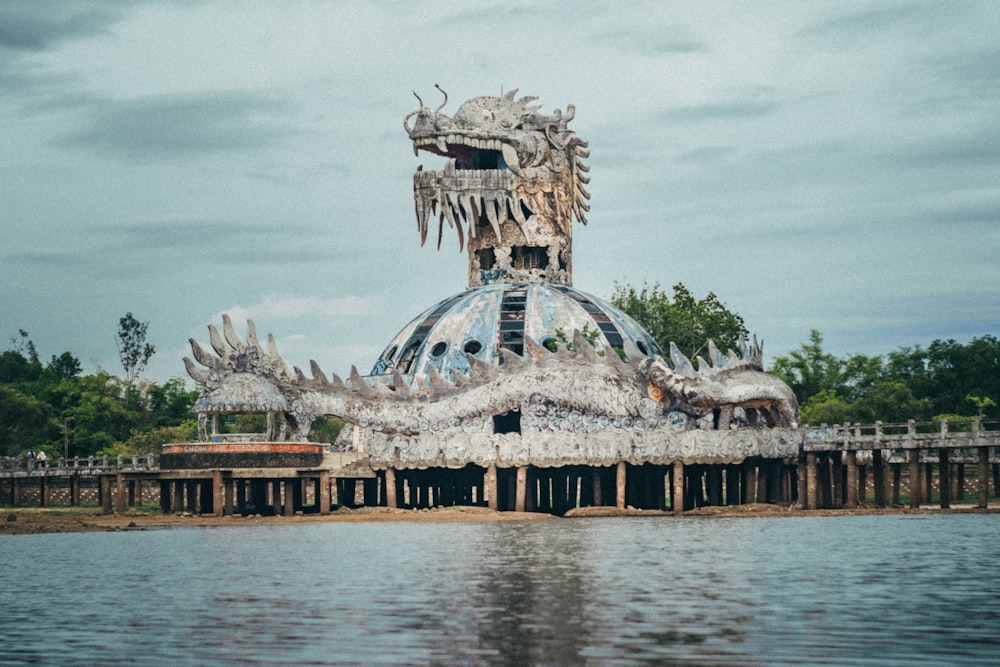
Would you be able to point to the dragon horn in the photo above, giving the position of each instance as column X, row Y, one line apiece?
column 197, row 374
column 230, row 333
column 358, row 383
column 216, row 340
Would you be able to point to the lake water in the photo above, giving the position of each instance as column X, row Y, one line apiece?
column 851, row 590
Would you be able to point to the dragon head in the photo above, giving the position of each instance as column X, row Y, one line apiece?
column 514, row 178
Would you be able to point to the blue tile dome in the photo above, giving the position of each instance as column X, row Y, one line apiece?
column 486, row 320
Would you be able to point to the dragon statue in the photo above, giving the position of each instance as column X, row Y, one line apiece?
column 512, row 184
column 574, row 391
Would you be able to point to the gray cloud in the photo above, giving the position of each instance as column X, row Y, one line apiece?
column 183, row 126
column 38, row 24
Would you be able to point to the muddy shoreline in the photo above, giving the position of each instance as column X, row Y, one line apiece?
column 26, row 521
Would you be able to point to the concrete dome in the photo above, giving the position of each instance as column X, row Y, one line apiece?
column 487, row 319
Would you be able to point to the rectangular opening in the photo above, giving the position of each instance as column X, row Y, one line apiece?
column 508, row 422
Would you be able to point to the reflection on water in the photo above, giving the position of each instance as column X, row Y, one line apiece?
column 875, row 590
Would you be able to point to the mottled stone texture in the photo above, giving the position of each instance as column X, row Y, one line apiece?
column 226, row 460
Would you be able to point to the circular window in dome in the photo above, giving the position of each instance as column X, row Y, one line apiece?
column 472, row 346
column 642, row 347
column 439, row 349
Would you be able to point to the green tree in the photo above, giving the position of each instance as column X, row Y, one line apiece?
column 133, row 350
column 65, row 366
column 25, row 422
column 809, row 370
column 682, row 319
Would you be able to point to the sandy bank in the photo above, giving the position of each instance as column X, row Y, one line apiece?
column 22, row 521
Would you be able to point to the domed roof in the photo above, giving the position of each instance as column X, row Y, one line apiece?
column 487, row 319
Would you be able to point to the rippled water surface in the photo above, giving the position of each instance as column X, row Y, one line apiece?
column 872, row 590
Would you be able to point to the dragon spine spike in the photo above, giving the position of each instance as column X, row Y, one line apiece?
column 682, row 365
column 319, row 377
column 336, row 383
column 216, row 341
column 399, row 384
column 533, row 349
column 358, row 383
column 301, row 377
column 480, row 367
column 718, row 361
column 702, row 365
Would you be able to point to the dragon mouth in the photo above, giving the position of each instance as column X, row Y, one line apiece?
column 471, row 153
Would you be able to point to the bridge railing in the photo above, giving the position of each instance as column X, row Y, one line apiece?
column 975, row 432
column 87, row 465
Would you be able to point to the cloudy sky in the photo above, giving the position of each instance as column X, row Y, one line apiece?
column 830, row 166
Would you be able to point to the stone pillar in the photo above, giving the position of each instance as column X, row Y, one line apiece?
column 491, row 487
column 714, row 479
column 192, row 496
column 218, row 494
column 177, row 497
column 43, row 490
column 165, row 496
column 677, row 496
column 229, row 494
column 15, row 492
column 289, row 497
column 944, row 477
column 120, row 495
column 916, row 479
column 390, row 488
column 521, row 489
column 620, row 477
column 105, row 493
column 276, row 496
column 852, row 478
column 812, row 495
column 878, row 478
column 983, row 481
column 323, row 493
column 749, row 481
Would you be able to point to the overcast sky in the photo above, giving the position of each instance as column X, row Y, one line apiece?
column 830, row 166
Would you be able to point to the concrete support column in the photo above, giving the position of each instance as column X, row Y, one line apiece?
column 749, row 481
column 105, row 493
column 289, row 497
column 491, row 487
column 944, row 477
column 390, row 488
column 218, row 494
column 916, row 479
column 521, row 488
column 812, row 495
column 229, row 495
column 878, row 478
column 323, row 493
column 121, row 497
column 165, row 496
column 983, row 481
column 43, row 490
column 678, row 489
column 852, row 478
column 177, row 497
column 620, row 477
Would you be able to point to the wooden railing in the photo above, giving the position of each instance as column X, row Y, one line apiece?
column 87, row 465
